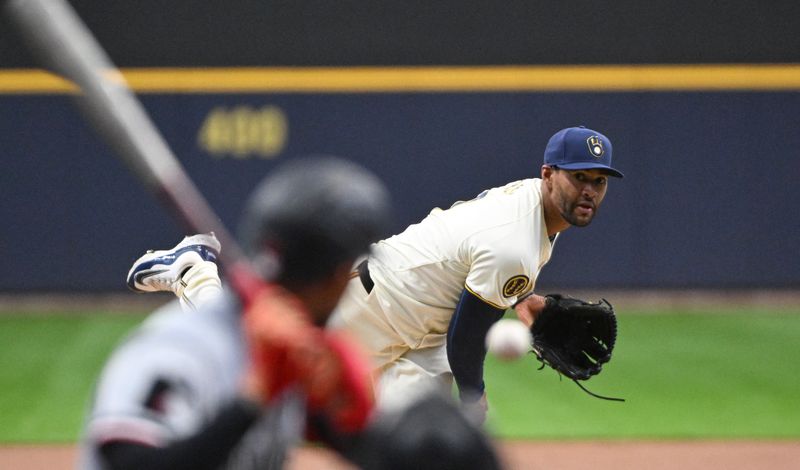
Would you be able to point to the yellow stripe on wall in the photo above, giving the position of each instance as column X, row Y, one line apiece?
column 600, row 78
column 33, row 81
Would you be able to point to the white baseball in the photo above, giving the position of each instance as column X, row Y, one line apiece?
column 508, row 339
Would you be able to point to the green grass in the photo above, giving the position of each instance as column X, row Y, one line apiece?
column 716, row 375
column 48, row 364
column 690, row 376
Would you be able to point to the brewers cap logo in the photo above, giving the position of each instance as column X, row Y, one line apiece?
column 516, row 285
column 596, row 146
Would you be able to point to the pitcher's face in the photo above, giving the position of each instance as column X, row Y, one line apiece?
column 577, row 194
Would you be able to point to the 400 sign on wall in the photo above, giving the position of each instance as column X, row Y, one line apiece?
column 244, row 132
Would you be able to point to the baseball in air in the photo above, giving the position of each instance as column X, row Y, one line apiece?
column 508, row 339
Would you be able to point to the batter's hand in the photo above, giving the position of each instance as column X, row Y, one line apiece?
column 277, row 329
column 338, row 383
column 288, row 350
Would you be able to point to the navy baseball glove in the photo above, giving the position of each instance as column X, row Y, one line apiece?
column 575, row 337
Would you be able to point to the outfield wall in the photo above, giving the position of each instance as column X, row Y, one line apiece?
column 708, row 198
column 700, row 101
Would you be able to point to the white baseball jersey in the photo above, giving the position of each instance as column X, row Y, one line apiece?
column 494, row 245
column 172, row 376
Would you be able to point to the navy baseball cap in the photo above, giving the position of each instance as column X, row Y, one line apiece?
column 579, row 148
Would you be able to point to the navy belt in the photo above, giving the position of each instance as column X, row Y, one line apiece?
column 363, row 274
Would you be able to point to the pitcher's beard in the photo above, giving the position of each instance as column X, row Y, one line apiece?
column 570, row 215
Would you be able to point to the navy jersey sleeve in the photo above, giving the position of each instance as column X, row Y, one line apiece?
column 466, row 347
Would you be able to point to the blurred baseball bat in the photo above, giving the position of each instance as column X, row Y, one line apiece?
column 64, row 45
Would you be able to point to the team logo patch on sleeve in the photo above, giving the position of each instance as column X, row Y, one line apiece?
column 516, row 285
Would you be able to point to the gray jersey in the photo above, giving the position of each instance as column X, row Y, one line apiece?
column 170, row 378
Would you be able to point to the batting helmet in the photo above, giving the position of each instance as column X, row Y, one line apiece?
column 310, row 215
